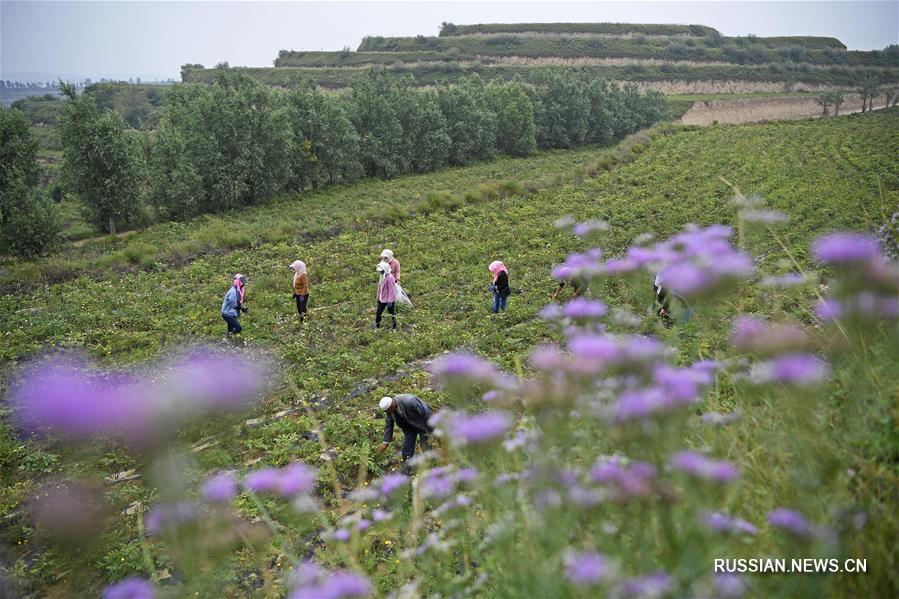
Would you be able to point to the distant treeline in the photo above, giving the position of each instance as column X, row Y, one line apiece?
column 445, row 73
column 237, row 142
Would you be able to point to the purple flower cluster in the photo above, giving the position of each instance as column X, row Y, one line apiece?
column 463, row 368
column 703, row 467
column 625, row 480
column 168, row 517
column 130, row 588
column 219, row 488
column 439, row 483
column 290, row 481
column 587, row 266
column 587, row 569
column 477, row 429
column 862, row 305
column 718, row 419
column 311, row 581
column 722, row 523
column 846, row 249
column 592, row 354
column 792, row 522
column 694, row 262
column 796, row 369
column 656, row 584
column 758, row 336
column 673, row 389
column 65, row 394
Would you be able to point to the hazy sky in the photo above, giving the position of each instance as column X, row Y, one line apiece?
column 153, row 39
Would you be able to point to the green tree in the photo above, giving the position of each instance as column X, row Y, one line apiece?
column 28, row 220
column 425, row 131
column 471, row 125
column 235, row 135
column 103, row 162
column 516, row 131
column 375, row 113
column 562, row 111
column 326, row 145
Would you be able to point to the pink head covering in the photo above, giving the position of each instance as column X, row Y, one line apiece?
column 239, row 282
column 299, row 267
column 497, row 267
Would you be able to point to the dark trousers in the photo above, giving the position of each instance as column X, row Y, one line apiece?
column 391, row 309
column 302, row 300
column 409, row 436
column 233, row 324
column 499, row 302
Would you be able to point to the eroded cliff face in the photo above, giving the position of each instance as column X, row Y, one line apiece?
column 728, row 87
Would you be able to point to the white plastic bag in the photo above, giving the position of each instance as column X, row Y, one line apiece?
column 401, row 296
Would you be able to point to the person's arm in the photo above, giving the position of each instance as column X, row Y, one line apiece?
column 396, row 275
column 230, row 301
column 388, row 429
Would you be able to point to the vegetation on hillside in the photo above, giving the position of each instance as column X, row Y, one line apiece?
column 825, row 175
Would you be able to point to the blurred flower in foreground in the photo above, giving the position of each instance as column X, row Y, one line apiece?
column 704, row 467
column 722, row 523
column 68, row 510
column 311, row 581
column 793, row 522
column 462, row 369
column 65, row 394
column 474, row 429
column 219, row 488
column 846, row 249
column 798, row 369
column 587, row 568
column 296, row 479
column 657, row 584
column 130, row 588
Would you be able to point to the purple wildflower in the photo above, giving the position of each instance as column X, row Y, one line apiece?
column 130, row 588
column 586, row 569
column 791, row 369
column 341, row 534
column 480, row 428
column 846, row 248
column 641, row 403
column 583, row 266
column 722, row 523
column 363, row 525
column 390, row 483
column 790, row 521
column 296, row 479
column 212, row 380
column 167, row 517
column 650, row 585
column 584, row 309
column 828, row 309
column 220, row 488
column 704, row 467
column 756, row 335
column 730, row 586
column 550, row 312
column 379, row 515
column 463, row 367
column 439, row 483
column 313, row 582
column 626, row 480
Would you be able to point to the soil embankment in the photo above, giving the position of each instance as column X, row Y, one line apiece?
column 754, row 110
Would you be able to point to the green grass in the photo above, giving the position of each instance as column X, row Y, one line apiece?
column 294, row 219
column 828, row 174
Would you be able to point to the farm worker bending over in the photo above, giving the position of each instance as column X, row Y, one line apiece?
column 387, row 256
column 300, row 287
column 412, row 415
column 500, row 286
column 232, row 305
column 663, row 302
column 386, row 294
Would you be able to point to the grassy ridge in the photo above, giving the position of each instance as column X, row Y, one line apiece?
column 657, row 48
column 450, row 29
column 827, row 174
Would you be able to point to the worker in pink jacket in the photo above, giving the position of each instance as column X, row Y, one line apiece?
column 386, row 294
column 387, row 256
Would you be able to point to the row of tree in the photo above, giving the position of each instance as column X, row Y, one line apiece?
column 235, row 142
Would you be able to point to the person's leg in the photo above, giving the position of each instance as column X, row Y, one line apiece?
column 391, row 309
column 301, row 306
column 502, row 302
column 409, row 444
column 381, row 306
column 423, row 441
column 233, row 324
column 495, row 302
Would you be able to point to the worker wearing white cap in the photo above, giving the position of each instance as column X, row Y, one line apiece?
column 387, row 256
column 412, row 415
